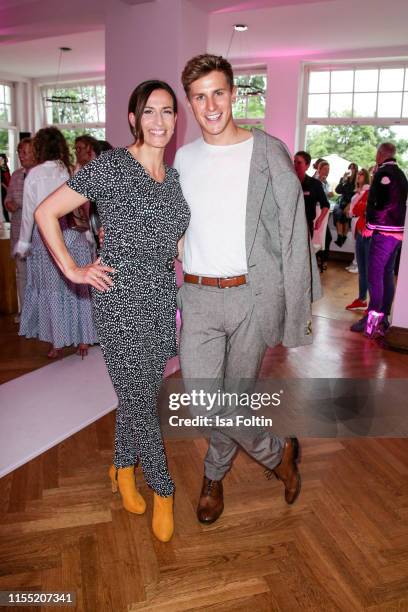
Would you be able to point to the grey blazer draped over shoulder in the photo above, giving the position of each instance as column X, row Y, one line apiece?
column 282, row 266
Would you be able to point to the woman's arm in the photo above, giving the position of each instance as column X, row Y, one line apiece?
column 56, row 205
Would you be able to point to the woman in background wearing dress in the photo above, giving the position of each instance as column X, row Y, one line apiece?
column 14, row 204
column 55, row 309
column 144, row 215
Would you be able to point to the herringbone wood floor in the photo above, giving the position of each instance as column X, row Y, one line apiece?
column 342, row 546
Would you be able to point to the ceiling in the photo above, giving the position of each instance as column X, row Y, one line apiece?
column 39, row 58
column 31, row 31
column 307, row 29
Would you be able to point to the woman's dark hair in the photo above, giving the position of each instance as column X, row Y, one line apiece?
column 50, row 144
column 104, row 145
column 138, row 101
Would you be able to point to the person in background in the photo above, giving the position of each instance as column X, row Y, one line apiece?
column 385, row 216
column 323, row 171
column 14, row 205
column 54, row 310
column 345, row 189
column 313, row 191
column 316, row 166
column 87, row 148
column 362, row 237
column 5, row 180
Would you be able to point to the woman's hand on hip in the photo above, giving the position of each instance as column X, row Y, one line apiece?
column 94, row 274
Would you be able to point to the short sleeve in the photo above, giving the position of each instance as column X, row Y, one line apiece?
column 91, row 181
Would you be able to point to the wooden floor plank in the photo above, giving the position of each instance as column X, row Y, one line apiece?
column 343, row 547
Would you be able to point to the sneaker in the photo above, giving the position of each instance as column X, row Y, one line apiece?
column 357, row 305
column 353, row 268
column 360, row 325
column 373, row 326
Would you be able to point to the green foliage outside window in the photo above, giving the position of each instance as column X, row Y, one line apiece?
column 357, row 143
column 250, row 106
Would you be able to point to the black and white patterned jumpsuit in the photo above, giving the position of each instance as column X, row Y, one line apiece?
column 136, row 318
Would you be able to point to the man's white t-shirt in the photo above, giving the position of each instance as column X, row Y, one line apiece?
column 214, row 180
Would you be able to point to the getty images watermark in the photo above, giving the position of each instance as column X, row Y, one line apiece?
column 233, row 408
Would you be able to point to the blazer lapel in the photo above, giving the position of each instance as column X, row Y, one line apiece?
column 257, row 183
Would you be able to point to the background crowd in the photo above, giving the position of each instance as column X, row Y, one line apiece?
column 53, row 310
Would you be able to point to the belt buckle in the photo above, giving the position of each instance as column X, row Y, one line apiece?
column 219, row 283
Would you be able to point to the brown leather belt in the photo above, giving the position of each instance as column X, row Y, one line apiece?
column 221, row 283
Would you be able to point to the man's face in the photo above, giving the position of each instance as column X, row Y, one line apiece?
column 26, row 155
column 211, row 99
column 300, row 166
column 83, row 153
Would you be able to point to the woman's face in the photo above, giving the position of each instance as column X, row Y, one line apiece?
column 360, row 179
column 158, row 119
column 324, row 172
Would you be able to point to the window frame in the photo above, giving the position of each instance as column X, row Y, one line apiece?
column 10, row 125
column 255, row 71
column 72, row 84
column 309, row 67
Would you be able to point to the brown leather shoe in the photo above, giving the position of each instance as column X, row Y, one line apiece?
column 211, row 502
column 287, row 470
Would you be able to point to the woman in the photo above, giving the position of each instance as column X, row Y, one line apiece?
column 14, row 204
column 143, row 214
column 362, row 236
column 55, row 310
column 346, row 189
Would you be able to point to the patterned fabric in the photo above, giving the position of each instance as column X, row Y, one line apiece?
column 56, row 310
column 15, row 194
column 136, row 317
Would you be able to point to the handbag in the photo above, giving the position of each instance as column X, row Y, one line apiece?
column 78, row 219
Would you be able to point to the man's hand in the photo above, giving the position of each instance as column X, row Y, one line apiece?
column 93, row 274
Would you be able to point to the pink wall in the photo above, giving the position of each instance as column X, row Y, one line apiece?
column 146, row 41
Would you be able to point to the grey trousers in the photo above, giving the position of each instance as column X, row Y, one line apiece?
column 222, row 347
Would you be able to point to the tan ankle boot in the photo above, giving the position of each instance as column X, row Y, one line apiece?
column 163, row 522
column 124, row 479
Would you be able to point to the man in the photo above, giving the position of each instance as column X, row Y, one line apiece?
column 245, row 287
column 14, row 204
column 385, row 216
column 313, row 191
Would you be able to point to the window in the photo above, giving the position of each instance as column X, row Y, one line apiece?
column 8, row 130
column 249, row 108
column 358, row 93
column 75, row 109
column 348, row 110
